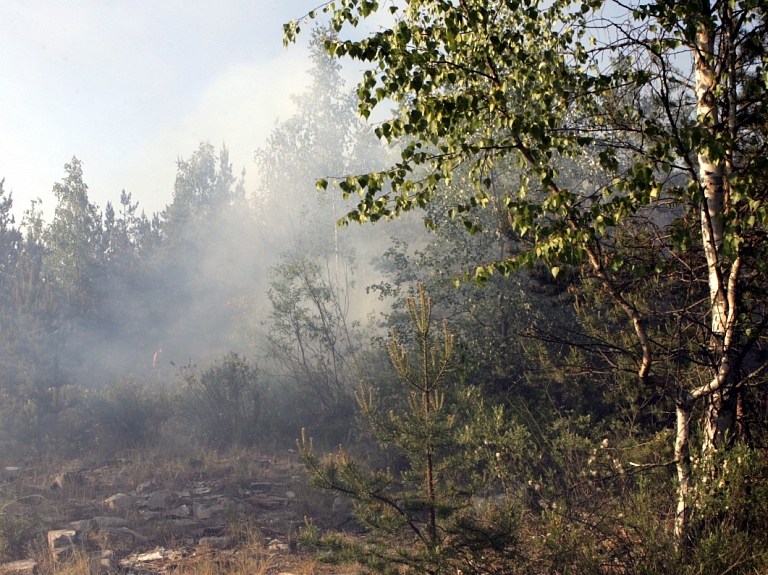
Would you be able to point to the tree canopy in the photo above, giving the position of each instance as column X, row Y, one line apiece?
column 661, row 105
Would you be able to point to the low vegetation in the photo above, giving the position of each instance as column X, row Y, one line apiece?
column 567, row 374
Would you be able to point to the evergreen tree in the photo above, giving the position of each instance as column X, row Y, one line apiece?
column 325, row 137
column 202, row 189
column 73, row 241
column 452, row 506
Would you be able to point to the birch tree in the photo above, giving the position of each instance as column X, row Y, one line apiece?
column 667, row 101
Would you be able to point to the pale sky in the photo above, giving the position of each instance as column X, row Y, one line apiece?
column 130, row 86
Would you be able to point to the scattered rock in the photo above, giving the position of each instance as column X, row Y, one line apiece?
column 194, row 517
column 267, row 501
column 61, row 542
column 185, row 524
column 159, row 500
column 214, row 542
column 106, row 522
column 82, row 527
column 201, row 512
column 120, row 501
column 123, row 533
column 146, row 486
column 100, row 563
column 181, row 511
column 277, row 545
column 159, row 555
column 24, row 567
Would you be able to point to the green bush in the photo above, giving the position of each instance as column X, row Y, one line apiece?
column 130, row 415
column 222, row 404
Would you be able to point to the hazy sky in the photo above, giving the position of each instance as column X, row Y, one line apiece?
column 130, row 86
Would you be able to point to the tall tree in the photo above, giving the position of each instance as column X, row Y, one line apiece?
column 203, row 187
column 73, row 240
column 669, row 100
column 11, row 242
column 324, row 137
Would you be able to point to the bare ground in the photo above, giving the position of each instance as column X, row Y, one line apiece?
column 145, row 513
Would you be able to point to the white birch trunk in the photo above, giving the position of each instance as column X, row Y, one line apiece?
column 683, row 459
column 711, row 181
column 722, row 300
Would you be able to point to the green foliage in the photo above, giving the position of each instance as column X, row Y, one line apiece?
column 324, row 137
column 203, row 187
column 223, row 404
column 73, row 241
column 129, row 415
column 313, row 343
column 449, row 507
column 485, row 81
column 666, row 217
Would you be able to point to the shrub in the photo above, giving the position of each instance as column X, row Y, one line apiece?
column 130, row 415
column 223, row 403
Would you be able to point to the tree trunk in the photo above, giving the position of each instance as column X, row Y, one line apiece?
column 718, row 416
column 683, row 461
column 719, row 410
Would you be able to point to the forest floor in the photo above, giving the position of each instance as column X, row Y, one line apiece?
column 144, row 513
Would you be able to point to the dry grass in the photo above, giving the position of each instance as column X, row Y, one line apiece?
column 235, row 564
column 76, row 564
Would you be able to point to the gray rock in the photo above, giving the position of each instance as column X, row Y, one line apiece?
column 100, row 563
column 277, row 545
column 138, row 560
column 181, row 511
column 267, row 501
column 123, row 533
column 61, row 538
column 159, row 500
column 83, row 526
column 157, row 555
column 106, row 522
column 186, row 524
column 120, row 501
column 214, row 542
column 25, row 567
column 201, row 512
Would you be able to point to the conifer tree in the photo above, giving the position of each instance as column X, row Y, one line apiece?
column 73, row 240
column 452, row 506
